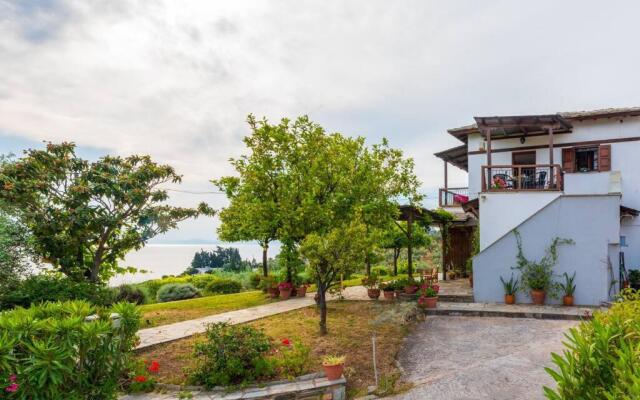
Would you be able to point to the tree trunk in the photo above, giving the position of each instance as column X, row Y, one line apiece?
column 368, row 265
column 396, row 255
column 265, row 263
column 322, row 303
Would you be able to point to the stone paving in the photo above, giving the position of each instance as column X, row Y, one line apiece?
column 465, row 358
column 514, row 310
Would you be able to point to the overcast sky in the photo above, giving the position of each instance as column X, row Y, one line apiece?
column 176, row 79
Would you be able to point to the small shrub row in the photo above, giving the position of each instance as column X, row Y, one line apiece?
column 41, row 288
column 224, row 286
column 177, row 291
column 52, row 351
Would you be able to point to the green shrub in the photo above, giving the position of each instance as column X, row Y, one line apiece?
column 201, row 281
column 231, row 355
column 177, row 291
column 224, row 286
column 254, row 280
column 40, row 288
column 56, row 353
column 601, row 359
column 130, row 293
column 292, row 359
column 155, row 284
column 380, row 271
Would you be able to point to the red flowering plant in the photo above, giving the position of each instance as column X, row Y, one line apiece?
column 430, row 290
column 291, row 358
column 499, row 183
column 9, row 386
column 285, row 286
column 141, row 375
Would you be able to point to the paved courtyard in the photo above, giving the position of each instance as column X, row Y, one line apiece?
column 480, row 358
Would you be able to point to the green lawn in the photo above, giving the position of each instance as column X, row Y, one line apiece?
column 174, row 311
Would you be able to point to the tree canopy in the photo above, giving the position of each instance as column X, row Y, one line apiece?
column 395, row 238
column 85, row 216
column 16, row 251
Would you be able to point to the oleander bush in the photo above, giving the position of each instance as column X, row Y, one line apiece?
column 41, row 288
column 231, row 355
column 177, row 291
column 602, row 356
column 224, row 286
column 53, row 351
column 130, row 293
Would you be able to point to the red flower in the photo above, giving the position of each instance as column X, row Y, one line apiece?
column 140, row 378
column 154, row 367
column 12, row 388
column 286, row 342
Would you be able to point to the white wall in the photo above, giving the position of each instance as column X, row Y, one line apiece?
column 500, row 212
column 592, row 222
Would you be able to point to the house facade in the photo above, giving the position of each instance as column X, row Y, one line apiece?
column 569, row 175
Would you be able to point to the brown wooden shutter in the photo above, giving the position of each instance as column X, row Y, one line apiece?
column 604, row 157
column 568, row 159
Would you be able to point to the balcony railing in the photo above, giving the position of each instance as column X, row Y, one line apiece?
column 453, row 196
column 539, row 177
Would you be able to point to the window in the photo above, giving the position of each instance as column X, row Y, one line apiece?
column 586, row 159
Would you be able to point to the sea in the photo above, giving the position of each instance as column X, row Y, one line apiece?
column 173, row 259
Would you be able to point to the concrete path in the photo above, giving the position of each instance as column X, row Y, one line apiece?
column 514, row 310
column 465, row 358
column 178, row 330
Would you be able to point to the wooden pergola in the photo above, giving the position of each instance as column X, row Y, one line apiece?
column 411, row 214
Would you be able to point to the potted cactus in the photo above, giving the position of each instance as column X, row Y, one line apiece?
column 569, row 288
column 333, row 366
column 510, row 289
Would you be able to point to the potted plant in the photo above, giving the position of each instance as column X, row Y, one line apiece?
column 285, row 289
column 411, row 286
column 537, row 276
column 634, row 279
column 269, row 285
column 429, row 296
column 333, row 366
column 387, row 290
column 371, row 283
column 568, row 288
column 510, row 289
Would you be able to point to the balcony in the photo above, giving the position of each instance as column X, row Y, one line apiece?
column 452, row 197
column 505, row 178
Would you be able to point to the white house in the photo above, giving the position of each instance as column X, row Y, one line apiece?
column 572, row 175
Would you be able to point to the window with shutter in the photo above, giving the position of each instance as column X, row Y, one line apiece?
column 568, row 159
column 604, row 155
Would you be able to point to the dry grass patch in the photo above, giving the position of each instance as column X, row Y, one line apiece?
column 349, row 334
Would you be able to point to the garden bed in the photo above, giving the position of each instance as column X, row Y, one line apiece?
column 349, row 334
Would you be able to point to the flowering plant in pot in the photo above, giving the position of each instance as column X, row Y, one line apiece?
column 536, row 277
column 268, row 283
column 301, row 286
column 285, row 289
column 568, row 288
column 333, row 366
column 510, row 289
column 428, row 296
column 371, row 283
column 411, row 286
column 387, row 290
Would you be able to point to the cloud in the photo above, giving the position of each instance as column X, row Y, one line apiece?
column 177, row 79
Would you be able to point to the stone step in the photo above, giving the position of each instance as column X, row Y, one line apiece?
column 512, row 311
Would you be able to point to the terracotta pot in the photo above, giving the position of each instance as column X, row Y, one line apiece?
column 388, row 294
column 398, row 292
column 567, row 300
column 428, row 302
column 285, row 293
column 373, row 293
column 537, row 296
column 509, row 299
column 301, row 291
column 273, row 292
column 333, row 372
column 411, row 289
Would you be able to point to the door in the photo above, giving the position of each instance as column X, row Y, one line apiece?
column 525, row 177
